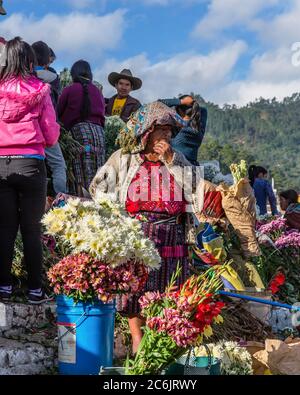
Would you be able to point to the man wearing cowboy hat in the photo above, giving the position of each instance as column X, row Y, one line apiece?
column 122, row 104
column 2, row 10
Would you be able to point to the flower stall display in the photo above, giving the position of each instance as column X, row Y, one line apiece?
column 274, row 228
column 176, row 320
column 280, row 260
column 106, row 252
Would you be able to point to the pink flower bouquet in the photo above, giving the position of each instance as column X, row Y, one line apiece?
column 176, row 320
column 84, row 278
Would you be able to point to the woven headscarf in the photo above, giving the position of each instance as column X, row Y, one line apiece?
column 133, row 137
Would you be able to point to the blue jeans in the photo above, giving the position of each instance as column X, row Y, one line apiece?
column 58, row 167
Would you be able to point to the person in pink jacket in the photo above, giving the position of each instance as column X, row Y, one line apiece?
column 27, row 125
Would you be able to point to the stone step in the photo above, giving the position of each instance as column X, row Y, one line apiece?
column 29, row 339
column 26, row 358
column 19, row 317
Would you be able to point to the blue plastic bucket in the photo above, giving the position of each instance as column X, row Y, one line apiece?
column 85, row 336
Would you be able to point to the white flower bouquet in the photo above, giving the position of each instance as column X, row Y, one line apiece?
column 102, row 240
column 235, row 359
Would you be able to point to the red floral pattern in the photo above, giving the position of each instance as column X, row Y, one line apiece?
column 154, row 189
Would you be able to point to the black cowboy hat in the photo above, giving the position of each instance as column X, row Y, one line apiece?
column 2, row 10
column 114, row 77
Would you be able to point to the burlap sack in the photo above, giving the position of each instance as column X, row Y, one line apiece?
column 238, row 202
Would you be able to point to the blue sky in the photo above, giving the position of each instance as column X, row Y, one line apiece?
column 229, row 51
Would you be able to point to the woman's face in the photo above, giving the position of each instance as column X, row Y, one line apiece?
column 284, row 203
column 263, row 176
column 160, row 133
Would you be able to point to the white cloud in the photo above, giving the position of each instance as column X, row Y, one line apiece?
column 271, row 74
column 283, row 29
column 80, row 4
column 274, row 66
column 222, row 15
column 243, row 92
column 157, row 2
column 83, row 4
column 165, row 3
column 183, row 73
column 71, row 36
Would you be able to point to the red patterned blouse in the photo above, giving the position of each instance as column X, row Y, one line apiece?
column 154, row 189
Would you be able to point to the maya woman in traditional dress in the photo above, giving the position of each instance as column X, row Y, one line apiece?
column 289, row 202
column 81, row 109
column 148, row 173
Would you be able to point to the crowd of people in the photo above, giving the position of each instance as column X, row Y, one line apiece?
column 166, row 133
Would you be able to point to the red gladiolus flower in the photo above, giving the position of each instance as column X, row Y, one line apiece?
column 273, row 288
column 280, row 278
column 276, row 282
column 206, row 312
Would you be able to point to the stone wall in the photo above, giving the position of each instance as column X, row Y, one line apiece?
column 28, row 340
column 28, row 343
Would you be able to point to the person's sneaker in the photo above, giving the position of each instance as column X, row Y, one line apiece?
column 38, row 297
column 5, row 296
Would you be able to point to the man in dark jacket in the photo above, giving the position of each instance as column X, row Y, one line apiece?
column 122, row 104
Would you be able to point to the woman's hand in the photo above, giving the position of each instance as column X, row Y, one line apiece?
column 164, row 149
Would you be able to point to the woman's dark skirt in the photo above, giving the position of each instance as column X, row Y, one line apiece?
column 85, row 166
column 164, row 235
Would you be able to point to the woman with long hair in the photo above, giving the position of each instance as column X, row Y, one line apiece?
column 27, row 126
column 81, row 110
column 262, row 189
column 289, row 202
